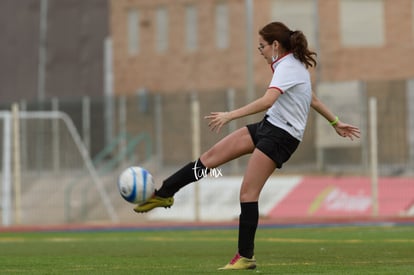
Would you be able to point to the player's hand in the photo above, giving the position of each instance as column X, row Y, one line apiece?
column 218, row 120
column 347, row 130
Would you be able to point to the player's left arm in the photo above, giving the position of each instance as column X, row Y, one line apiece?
column 343, row 129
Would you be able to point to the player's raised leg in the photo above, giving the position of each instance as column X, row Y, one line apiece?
column 230, row 147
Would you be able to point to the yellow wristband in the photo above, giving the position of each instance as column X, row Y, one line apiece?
column 333, row 123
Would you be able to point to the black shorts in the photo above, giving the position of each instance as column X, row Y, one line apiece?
column 273, row 141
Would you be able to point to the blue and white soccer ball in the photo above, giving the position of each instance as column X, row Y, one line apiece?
column 136, row 185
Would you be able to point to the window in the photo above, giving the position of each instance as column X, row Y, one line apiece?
column 191, row 27
column 222, row 26
column 362, row 23
column 297, row 15
column 133, row 31
column 161, row 36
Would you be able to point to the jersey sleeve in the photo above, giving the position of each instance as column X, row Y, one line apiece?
column 283, row 79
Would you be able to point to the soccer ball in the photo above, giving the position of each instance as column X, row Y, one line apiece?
column 136, row 185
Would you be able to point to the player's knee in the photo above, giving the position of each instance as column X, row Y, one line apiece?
column 208, row 158
column 249, row 195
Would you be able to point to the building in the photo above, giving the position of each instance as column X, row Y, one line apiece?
column 183, row 45
column 69, row 33
column 365, row 49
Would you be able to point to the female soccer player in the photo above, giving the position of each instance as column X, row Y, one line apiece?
column 270, row 142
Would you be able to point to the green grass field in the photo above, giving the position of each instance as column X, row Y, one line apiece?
column 312, row 250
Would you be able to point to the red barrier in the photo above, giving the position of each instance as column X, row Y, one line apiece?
column 345, row 197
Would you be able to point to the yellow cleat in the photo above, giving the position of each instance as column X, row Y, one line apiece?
column 240, row 263
column 154, row 202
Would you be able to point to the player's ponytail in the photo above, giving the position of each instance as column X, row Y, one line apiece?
column 299, row 47
column 293, row 41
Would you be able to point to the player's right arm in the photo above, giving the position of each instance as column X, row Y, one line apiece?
column 219, row 119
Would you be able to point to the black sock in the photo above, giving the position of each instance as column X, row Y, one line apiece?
column 191, row 172
column 248, row 221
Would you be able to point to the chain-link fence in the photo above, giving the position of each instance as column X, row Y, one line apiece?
column 157, row 131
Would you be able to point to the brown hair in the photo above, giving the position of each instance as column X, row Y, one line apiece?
column 293, row 41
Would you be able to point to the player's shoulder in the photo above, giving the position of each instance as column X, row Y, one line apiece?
column 290, row 64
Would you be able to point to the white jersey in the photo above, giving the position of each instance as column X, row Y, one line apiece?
column 290, row 110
